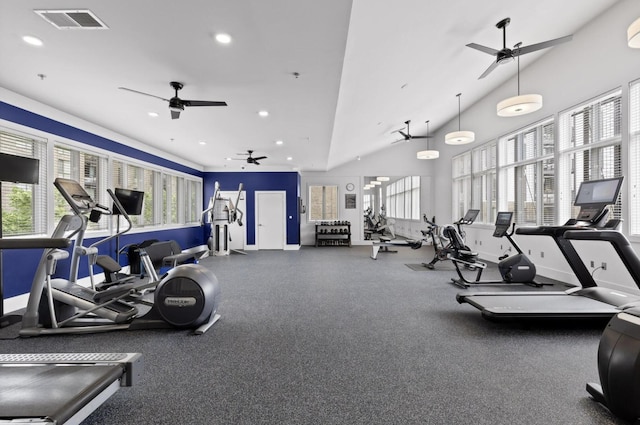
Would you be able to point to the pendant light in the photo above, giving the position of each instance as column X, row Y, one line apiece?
column 633, row 34
column 428, row 154
column 459, row 137
column 520, row 104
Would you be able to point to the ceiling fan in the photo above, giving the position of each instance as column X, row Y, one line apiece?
column 250, row 159
column 507, row 55
column 176, row 105
column 407, row 137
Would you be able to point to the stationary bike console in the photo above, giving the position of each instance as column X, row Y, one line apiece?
column 503, row 222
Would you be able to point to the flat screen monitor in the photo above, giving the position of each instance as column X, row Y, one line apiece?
column 598, row 192
column 131, row 201
column 19, row 169
column 504, row 218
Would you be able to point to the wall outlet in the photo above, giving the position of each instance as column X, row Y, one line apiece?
column 604, row 266
column 529, row 252
column 593, row 264
column 509, row 249
column 541, row 254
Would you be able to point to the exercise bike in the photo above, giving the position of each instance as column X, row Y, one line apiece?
column 517, row 268
column 186, row 297
column 442, row 239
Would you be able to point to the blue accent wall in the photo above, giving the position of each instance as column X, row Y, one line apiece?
column 256, row 181
column 20, row 265
column 39, row 122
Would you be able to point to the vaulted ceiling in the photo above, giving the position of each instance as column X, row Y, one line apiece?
column 337, row 77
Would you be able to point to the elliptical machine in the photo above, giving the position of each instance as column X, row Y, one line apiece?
column 186, row 297
column 517, row 268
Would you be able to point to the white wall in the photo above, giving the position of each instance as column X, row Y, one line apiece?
column 596, row 61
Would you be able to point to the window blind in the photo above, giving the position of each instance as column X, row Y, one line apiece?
column 24, row 206
column 634, row 157
column 590, row 149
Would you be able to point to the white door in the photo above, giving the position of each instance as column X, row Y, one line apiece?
column 270, row 219
column 237, row 233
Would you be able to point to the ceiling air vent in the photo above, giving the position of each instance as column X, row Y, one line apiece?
column 72, row 19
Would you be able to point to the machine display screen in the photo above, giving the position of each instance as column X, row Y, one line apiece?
column 503, row 218
column 470, row 216
column 131, row 201
column 599, row 192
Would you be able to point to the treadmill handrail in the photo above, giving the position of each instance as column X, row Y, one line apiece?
column 619, row 242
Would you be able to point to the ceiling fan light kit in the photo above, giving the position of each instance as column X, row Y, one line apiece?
column 633, row 34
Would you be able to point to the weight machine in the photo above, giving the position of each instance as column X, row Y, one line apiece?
column 222, row 212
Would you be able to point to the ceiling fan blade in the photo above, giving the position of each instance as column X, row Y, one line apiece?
column 259, row 158
column 543, row 45
column 482, row 48
column 203, row 103
column 421, row 137
column 145, row 94
column 256, row 162
column 405, row 135
column 491, row 68
column 175, row 115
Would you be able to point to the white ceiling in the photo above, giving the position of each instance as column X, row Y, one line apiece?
column 364, row 68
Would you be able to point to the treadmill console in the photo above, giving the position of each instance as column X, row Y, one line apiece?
column 594, row 196
column 503, row 222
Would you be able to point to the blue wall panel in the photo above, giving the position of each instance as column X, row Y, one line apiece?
column 256, row 181
column 20, row 265
column 39, row 122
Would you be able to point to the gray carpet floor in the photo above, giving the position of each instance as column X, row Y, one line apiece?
column 329, row 336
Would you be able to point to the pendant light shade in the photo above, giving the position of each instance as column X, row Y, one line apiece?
column 633, row 34
column 519, row 105
column 459, row 137
column 429, row 153
column 522, row 103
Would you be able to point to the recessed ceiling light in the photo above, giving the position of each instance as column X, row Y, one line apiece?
column 203, row 143
column 263, row 113
column 153, row 114
column 228, row 159
column 279, row 142
column 223, row 38
column 34, row 41
column 289, row 158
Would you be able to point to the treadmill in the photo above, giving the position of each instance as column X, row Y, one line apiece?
column 585, row 301
column 61, row 388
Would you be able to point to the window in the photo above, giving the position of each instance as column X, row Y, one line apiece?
column 483, row 181
column 634, row 158
column 24, row 206
column 590, row 149
column 180, row 196
column 88, row 169
column 403, row 198
column 461, row 190
column 323, row 203
column 527, row 174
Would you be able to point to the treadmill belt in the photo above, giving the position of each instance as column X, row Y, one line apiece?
column 537, row 306
column 50, row 390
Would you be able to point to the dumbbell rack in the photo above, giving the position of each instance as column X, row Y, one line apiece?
column 333, row 233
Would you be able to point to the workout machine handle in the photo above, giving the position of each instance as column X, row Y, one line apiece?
column 116, row 201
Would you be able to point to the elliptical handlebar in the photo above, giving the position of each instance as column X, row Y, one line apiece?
column 106, row 210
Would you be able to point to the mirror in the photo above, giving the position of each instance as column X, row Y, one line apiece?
column 391, row 206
